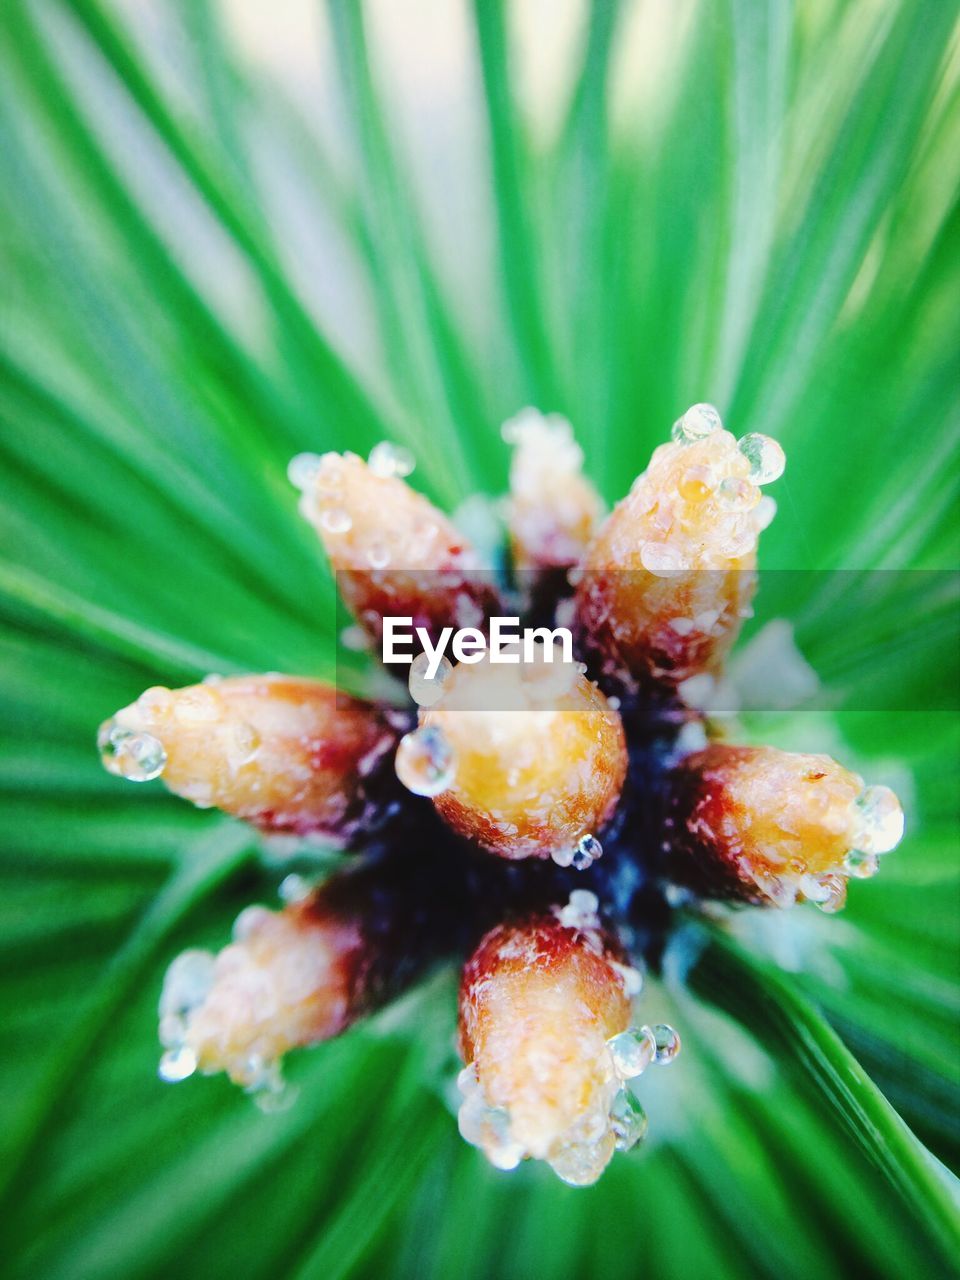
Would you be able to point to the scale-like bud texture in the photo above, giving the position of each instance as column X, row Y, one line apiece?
column 286, row 754
column 771, row 827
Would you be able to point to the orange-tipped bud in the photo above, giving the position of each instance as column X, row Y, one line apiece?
column 288, row 979
column 526, row 760
column 545, row 1010
column 553, row 509
column 667, row 581
column 774, row 827
column 301, row 975
column 395, row 555
column 287, row 754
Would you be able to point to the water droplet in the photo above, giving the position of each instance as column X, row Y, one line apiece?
column 862, row 865
column 737, row 495
column 628, row 1120
column 177, row 1064
column 836, row 894
column 632, row 1051
column 580, row 911
column 695, row 484
column 427, row 692
column 275, row 1097
column 668, row 1043
column 499, row 1147
column 563, row 857
column 336, row 520
column 588, row 850
column 767, row 459
column 780, row 893
column 138, row 757
column 881, row 820
column 294, row 888
column 387, row 459
column 489, row 1129
column 700, row 421
column 581, row 1163
column 302, row 470
column 187, row 983
column 425, row 762
column 355, row 639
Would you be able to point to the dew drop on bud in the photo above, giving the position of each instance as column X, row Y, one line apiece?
column 425, row 762
column 294, row 888
column 177, row 1064
column 336, row 520
column 588, row 850
column 699, row 421
column 737, row 495
column 388, row 459
column 632, row 1051
column 835, row 891
column 881, row 820
column 498, row 1146
column 628, row 1120
column 138, row 757
column 187, row 982
column 767, row 460
column 696, row 484
column 581, row 910
column 355, row 639
column 861, row 865
column 427, row 691
column 302, row 470
column 667, row 1042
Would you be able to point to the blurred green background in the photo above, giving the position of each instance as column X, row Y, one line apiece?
column 233, row 231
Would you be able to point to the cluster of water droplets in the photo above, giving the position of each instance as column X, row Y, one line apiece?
column 880, row 820
column 632, row 1052
column 580, row 856
column 716, row 492
column 764, row 455
column 319, row 477
column 878, row 828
